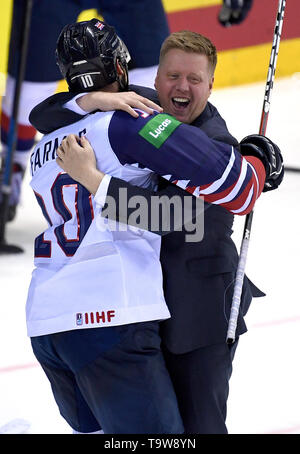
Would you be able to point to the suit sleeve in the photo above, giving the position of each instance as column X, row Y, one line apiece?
column 51, row 114
column 170, row 217
column 54, row 112
column 187, row 157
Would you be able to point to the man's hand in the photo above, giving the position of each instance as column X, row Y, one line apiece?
column 127, row 100
column 269, row 153
column 76, row 157
column 233, row 12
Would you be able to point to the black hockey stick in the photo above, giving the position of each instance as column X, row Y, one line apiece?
column 236, row 300
column 12, row 133
column 291, row 169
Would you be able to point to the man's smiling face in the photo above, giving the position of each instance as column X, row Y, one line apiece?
column 184, row 82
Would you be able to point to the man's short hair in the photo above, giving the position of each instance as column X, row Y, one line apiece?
column 192, row 42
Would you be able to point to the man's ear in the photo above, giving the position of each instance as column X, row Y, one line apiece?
column 120, row 70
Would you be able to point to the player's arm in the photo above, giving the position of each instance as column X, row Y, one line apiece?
column 186, row 156
column 238, row 197
column 257, row 146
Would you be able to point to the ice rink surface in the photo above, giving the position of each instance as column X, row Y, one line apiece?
column 264, row 388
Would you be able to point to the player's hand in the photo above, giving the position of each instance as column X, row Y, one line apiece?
column 76, row 157
column 234, row 12
column 127, row 100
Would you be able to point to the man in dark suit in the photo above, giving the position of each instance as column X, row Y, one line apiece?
column 198, row 276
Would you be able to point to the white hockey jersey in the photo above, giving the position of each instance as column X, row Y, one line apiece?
column 89, row 273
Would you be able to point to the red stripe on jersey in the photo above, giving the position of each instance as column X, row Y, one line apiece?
column 205, row 186
column 260, row 171
column 24, row 132
column 261, row 175
column 241, row 199
column 220, row 195
column 190, row 189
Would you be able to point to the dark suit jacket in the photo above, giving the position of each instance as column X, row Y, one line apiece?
column 198, row 277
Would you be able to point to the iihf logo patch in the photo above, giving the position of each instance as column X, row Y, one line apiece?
column 79, row 319
column 99, row 25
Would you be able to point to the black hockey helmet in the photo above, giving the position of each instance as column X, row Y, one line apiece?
column 87, row 54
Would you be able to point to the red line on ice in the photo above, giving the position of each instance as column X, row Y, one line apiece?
column 285, row 431
column 276, row 322
column 17, row 367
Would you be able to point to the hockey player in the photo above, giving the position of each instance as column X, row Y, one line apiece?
column 180, row 150
column 93, row 328
column 42, row 75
